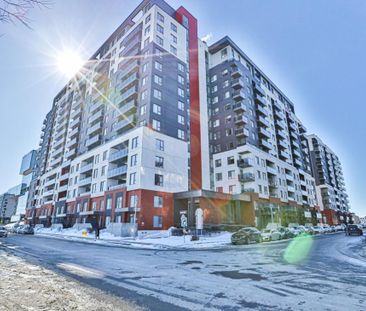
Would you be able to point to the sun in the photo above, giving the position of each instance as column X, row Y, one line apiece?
column 69, row 62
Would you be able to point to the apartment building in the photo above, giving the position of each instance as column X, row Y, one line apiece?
column 158, row 123
column 8, row 205
column 327, row 170
column 257, row 142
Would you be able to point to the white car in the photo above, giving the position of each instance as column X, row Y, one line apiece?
column 318, row 229
column 271, row 235
column 295, row 230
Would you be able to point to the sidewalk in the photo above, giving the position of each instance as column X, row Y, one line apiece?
column 155, row 241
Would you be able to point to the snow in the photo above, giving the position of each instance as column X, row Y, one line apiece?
column 155, row 239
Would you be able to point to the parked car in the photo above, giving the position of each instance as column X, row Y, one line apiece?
column 246, row 236
column 326, row 228
column 339, row 228
column 26, row 229
column 285, row 233
column 18, row 229
column 271, row 235
column 3, row 232
column 295, row 230
column 318, row 230
column 353, row 230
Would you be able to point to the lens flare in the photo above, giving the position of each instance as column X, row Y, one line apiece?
column 69, row 62
column 298, row 249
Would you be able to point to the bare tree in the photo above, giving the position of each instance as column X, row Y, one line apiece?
column 12, row 11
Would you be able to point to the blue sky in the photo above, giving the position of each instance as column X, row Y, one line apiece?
column 314, row 50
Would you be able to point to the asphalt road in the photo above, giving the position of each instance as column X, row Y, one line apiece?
column 273, row 276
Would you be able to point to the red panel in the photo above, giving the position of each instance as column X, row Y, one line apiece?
column 196, row 161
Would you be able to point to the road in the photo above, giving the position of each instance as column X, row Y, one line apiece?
column 256, row 277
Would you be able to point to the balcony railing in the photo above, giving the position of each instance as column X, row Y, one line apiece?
column 244, row 163
column 118, row 155
column 118, row 171
column 247, row 177
column 93, row 140
column 85, row 181
column 85, row 168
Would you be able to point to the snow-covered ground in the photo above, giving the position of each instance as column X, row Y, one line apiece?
column 154, row 240
column 25, row 286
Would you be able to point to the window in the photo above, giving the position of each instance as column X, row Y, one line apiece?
column 133, row 160
column 173, row 50
column 119, row 202
column 231, row 174
column 157, row 109
column 133, row 200
column 159, row 144
column 107, row 220
column 181, row 134
column 102, row 186
column 225, row 72
column 132, row 178
column 180, row 92
column 157, row 221
column 158, row 52
column 160, row 18
column 226, row 83
column 142, row 110
column 230, row 160
column 218, row 176
column 142, row 123
column 94, row 188
column 157, row 94
column 77, row 167
column 180, row 119
column 109, row 203
column 103, row 170
column 173, row 27
column 215, row 100
column 144, row 95
column 95, row 173
column 158, row 80
column 213, row 78
column 159, row 40
column 214, row 89
column 224, row 53
column 156, row 125
column 218, row 163
column 174, row 38
column 148, row 18
column 159, row 180
column 160, row 28
column 216, row 123
column 180, row 105
column 147, row 30
column 159, row 162
column 227, row 94
column 158, row 66
column 146, row 42
column 180, row 67
column 144, row 67
column 134, row 142
column 105, row 154
column 158, row 201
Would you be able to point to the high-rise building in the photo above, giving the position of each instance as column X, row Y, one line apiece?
column 327, row 170
column 158, row 123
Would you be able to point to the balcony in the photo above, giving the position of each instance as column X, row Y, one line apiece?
column 50, row 182
column 277, row 105
column 289, row 177
column 71, row 143
column 264, row 133
column 95, row 128
column 238, row 95
column 127, row 82
column 48, row 193
column 280, row 124
column 62, row 188
column 92, row 141
column 118, row 171
column 115, row 187
column 70, row 153
column 242, row 132
column 295, row 144
column 96, row 106
column 75, row 122
column 262, row 111
column 74, row 132
column 237, row 83
column 247, row 177
column 279, row 115
column 127, row 94
column 297, row 163
column 273, row 183
column 271, row 170
column 239, row 107
column 75, row 113
column 85, row 181
column 121, row 125
column 128, row 108
column 292, row 125
column 240, row 120
column 285, row 155
column 265, row 144
column 244, row 163
column 263, row 121
column 118, row 155
column 293, row 135
column 281, row 134
column 258, row 89
column 260, row 100
column 64, row 176
column 290, row 188
column 282, row 144
column 55, row 162
column 86, row 168
column 236, row 73
column 296, row 154
column 97, row 116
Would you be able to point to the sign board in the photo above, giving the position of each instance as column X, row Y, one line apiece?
column 199, row 218
column 319, row 215
column 307, row 214
column 84, row 233
column 183, row 221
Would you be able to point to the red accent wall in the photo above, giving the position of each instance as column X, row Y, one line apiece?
column 196, row 160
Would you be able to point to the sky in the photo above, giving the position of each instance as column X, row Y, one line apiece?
column 314, row 50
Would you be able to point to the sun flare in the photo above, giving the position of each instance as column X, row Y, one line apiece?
column 69, row 62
